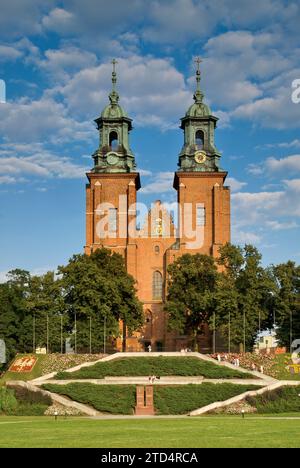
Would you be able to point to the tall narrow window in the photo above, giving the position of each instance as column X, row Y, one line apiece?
column 113, row 140
column 199, row 139
column 157, row 286
column 112, row 219
column 201, row 215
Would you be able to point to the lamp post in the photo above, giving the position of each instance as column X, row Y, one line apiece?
column 47, row 333
column 291, row 330
column 214, row 333
column 244, row 326
column 229, row 333
column 75, row 334
column 61, row 334
column 104, row 336
column 90, row 335
column 33, row 333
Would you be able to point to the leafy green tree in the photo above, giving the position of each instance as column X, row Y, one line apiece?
column 44, row 315
column 286, row 302
column 243, row 295
column 8, row 321
column 98, row 288
column 191, row 284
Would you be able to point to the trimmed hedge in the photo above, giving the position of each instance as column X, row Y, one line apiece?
column 182, row 399
column 280, row 400
column 114, row 399
column 11, row 405
column 159, row 366
column 120, row 399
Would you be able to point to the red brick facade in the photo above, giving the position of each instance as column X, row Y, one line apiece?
column 112, row 192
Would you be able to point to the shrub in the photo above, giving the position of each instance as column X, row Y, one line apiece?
column 26, row 395
column 176, row 399
column 160, row 366
column 181, row 399
column 8, row 401
column 280, row 400
column 115, row 399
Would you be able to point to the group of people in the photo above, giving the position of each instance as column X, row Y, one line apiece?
column 236, row 362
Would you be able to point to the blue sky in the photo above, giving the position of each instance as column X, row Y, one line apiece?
column 55, row 58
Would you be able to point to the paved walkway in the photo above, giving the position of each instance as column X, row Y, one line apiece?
column 161, row 381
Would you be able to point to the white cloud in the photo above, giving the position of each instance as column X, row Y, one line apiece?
column 235, row 184
column 152, row 91
column 162, row 182
column 289, row 163
column 41, row 120
column 278, row 226
column 36, row 162
column 60, row 63
column 7, row 179
column 293, row 185
column 285, row 144
column 9, row 53
column 244, row 237
column 59, row 20
column 22, row 17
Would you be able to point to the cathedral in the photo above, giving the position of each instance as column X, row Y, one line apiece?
column 111, row 212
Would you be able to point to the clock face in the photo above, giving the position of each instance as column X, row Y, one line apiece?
column 112, row 158
column 200, row 157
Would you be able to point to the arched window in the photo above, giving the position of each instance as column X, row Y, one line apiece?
column 199, row 139
column 157, row 249
column 113, row 140
column 157, row 286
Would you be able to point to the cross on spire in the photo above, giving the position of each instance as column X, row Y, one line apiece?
column 198, row 73
column 114, row 74
column 198, row 61
column 198, row 96
column 114, row 63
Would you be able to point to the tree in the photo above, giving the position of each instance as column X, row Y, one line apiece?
column 191, row 284
column 243, row 295
column 98, row 290
column 8, row 321
column 286, row 302
column 44, row 310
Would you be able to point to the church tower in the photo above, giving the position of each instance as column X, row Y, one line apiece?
column 204, row 213
column 113, row 183
column 204, row 201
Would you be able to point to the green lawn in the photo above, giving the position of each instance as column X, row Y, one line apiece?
column 159, row 366
column 229, row 431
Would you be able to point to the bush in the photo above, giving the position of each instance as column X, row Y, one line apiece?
column 281, row 400
column 160, row 366
column 12, row 406
column 181, row 399
column 26, row 395
column 115, row 399
column 8, row 401
column 176, row 399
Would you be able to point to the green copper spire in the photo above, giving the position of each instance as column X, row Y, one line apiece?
column 199, row 153
column 114, row 154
